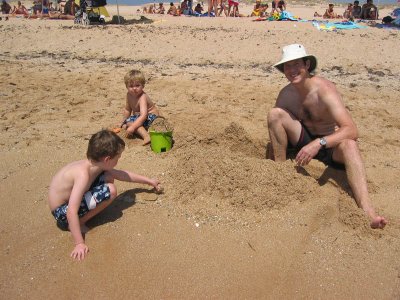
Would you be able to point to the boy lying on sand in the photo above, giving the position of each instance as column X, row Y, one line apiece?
column 82, row 189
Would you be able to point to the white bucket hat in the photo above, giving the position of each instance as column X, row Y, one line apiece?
column 295, row 51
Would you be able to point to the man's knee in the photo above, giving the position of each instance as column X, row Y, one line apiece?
column 347, row 149
column 275, row 115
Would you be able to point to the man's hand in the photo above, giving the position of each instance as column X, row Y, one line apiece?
column 80, row 251
column 307, row 153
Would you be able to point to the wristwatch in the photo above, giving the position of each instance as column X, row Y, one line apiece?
column 322, row 142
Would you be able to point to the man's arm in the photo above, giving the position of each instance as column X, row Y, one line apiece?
column 335, row 106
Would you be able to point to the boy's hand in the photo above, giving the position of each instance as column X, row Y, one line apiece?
column 157, row 186
column 80, row 251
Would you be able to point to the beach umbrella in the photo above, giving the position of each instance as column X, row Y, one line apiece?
column 119, row 21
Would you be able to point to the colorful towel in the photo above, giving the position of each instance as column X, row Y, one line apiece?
column 327, row 26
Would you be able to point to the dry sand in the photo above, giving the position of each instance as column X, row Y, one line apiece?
column 231, row 224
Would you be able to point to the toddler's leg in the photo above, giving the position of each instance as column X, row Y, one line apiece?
column 144, row 135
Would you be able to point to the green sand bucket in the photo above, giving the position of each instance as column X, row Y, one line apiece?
column 160, row 141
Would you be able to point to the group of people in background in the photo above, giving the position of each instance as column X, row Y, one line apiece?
column 353, row 11
column 228, row 8
column 42, row 9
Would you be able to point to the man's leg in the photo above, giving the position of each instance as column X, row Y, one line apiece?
column 347, row 152
column 283, row 128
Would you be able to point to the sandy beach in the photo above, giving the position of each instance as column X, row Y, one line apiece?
column 230, row 223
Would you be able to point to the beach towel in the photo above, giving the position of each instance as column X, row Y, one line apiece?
column 287, row 16
column 328, row 26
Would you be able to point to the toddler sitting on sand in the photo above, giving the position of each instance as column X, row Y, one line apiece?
column 82, row 189
column 139, row 111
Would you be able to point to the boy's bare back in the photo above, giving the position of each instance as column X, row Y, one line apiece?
column 63, row 182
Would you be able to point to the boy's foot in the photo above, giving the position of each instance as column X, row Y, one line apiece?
column 146, row 142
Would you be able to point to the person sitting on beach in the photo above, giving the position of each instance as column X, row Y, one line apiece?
column 278, row 6
column 263, row 9
column 235, row 5
column 356, row 10
column 139, row 111
column 185, row 7
column 348, row 13
column 56, row 15
column 281, row 5
column 198, row 9
column 316, row 14
column 161, row 8
column 329, row 13
column 5, row 7
column 82, row 189
column 173, row 11
column 369, row 11
column 256, row 10
column 19, row 9
column 152, row 9
column 310, row 117
column 70, row 8
column 222, row 8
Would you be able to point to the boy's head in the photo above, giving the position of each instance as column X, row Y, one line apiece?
column 134, row 76
column 104, row 143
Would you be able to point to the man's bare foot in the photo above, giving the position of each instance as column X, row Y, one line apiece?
column 378, row 222
column 146, row 142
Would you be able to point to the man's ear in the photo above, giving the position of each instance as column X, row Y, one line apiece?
column 107, row 159
column 308, row 64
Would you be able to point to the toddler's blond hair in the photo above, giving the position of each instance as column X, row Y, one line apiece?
column 134, row 76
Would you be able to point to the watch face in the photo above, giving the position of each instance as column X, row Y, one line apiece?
column 322, row 142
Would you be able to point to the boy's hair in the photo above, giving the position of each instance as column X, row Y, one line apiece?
column 104, row 143
column 134, row 75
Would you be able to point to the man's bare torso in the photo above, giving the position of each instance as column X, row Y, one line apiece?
column 309, row 108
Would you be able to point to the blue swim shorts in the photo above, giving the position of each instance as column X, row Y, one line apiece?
column 98, row 192
column 146, row 124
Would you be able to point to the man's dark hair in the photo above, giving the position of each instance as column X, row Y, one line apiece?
column 104, row 143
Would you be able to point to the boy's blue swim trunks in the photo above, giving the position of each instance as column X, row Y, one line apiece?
column 98, row 192
column 146, row 124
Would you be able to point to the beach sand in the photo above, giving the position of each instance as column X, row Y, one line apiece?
column 230, row 224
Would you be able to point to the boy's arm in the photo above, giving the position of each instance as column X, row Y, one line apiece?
column 126, row 112
column 143, row 114
column 80, row 249
column 128, row 176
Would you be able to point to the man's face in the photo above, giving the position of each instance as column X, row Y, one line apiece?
column 296, row 70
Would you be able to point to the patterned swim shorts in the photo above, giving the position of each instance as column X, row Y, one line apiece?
column 98, row 192
column 146, row 124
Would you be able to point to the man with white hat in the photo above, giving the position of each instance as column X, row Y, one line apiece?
column 310, row 117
